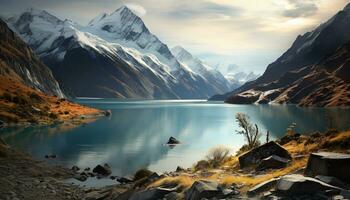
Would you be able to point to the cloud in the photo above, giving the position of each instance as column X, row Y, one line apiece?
column 300, row 8
column 138, row 9
column 203, row 9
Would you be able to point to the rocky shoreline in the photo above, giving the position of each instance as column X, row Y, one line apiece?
column 288, row 168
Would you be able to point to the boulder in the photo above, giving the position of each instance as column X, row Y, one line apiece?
column 272, row 162
column 80, row 177
column 125, row 180
column 333, row 181
column 146, row 180
column 205, row 189
column 179, row 169
column 142, row 173
column 262, row 187
column 297, row 184
column 255, row 155
column 104, row 170
column 173, row 140
column 151, row 194
column 329, row 164
column 202, row 189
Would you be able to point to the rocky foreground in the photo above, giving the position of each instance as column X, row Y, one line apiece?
column 294, row 167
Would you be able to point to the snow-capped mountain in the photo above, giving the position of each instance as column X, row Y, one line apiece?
column 115, row 55
column 241, row 77
column 219, row 82
column 313, row 71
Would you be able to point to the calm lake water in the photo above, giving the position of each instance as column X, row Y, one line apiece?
column 134, row 136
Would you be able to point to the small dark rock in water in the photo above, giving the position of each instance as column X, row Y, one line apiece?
column 108, row 113
column 91, row 174
column 80, row 177
column 84, row 174
column 113, row 177
column 50, row 156
column 173, row 140
column 75, row 168
column 102, row 170
column 125, row 180
column 87, row 169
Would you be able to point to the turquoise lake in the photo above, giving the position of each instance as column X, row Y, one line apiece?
column 134, row 136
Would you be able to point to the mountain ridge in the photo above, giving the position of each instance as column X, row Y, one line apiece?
column 298, row 76
column 128, row 65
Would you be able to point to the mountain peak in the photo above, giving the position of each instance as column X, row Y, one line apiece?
column 347, row 7
column 124, row 11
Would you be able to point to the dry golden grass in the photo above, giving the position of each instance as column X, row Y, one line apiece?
column 183, row 182
column 300, row 149
column 52, row 108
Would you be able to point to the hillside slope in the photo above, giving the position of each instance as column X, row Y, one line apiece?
column 313, row 72
column 28, row 91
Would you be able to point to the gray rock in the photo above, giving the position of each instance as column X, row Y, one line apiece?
column 329, row 164
column 255, row 155
column 80, row 177
column 172, row 196
column 297, row 184
column 125, row 180
column 104, row 170
column 173, row 140
column 94, row 195
column 262, row 187
column 75, row 168
column 179, row 169
column 108, row 113
column 205, row 189
column 272, row 162
column 202, row 189
column 333, row 181
column 151, row 194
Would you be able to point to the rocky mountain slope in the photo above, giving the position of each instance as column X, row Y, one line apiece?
column 213, row 76
column 28, row 91
column 19, row 62
column 115, row 55
column 312, row 72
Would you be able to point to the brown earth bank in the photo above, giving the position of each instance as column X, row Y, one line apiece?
column 21, row 177
column 20, row 104
column 29, row 94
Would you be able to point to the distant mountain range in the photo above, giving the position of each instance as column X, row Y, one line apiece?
column 116, row 55
column 315, row 70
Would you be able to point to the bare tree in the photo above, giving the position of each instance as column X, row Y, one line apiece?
column 250, row 131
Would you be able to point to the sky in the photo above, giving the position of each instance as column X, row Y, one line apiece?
column 248, row 33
